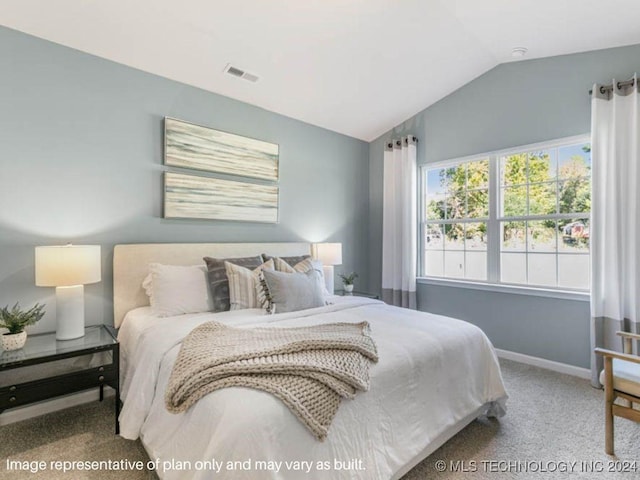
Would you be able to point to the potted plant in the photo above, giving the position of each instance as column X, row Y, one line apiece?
column 15, row 320
column 347, row 281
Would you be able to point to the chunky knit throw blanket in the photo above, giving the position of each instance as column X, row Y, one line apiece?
column 309, row 368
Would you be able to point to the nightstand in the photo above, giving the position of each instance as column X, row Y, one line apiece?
column 342, row 293
column 45, row 367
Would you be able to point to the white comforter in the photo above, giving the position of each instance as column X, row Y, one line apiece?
column 433, row 372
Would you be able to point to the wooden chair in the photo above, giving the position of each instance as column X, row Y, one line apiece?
column 621, row 380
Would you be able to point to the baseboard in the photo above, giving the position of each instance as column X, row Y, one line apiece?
column 47, row 406
column 544, row 363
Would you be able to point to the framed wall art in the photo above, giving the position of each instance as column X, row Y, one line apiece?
column 201, row 148
column 193, row 196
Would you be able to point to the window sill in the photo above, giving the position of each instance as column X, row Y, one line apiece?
column 501, row 288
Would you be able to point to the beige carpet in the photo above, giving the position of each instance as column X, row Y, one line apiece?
column 552, row 420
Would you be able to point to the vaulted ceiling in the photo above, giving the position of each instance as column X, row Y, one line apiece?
column 358, row 67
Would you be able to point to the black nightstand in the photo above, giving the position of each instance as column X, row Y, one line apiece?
column 342, row 293
column 45, row 367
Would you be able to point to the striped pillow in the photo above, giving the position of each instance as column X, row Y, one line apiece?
column 290, row 260
column 302, row 267
column 218, row 281
column 243, row 285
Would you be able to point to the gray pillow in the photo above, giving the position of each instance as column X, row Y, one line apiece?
column 290, row 292
column 293, row 261
column 219, row 282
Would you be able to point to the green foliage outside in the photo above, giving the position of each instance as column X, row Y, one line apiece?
column 525, row 176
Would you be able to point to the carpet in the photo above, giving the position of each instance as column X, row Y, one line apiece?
column 553, row 420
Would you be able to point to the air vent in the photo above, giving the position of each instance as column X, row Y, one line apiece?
column 240, row 73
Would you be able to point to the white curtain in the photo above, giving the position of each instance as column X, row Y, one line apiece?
column 399, row 223
column 615, row 228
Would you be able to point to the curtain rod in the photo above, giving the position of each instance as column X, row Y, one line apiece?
column 619, row 85
column 399, row 142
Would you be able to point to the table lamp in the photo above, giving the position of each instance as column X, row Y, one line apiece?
column 329, row 254
column 68, row 268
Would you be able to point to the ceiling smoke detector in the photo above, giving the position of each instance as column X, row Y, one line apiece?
column 240, row 73
column 519, row 52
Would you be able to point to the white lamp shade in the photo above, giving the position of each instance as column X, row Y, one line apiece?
column 65, row 266
column 328, row 253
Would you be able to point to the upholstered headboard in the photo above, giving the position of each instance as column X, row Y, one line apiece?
column 131, row 264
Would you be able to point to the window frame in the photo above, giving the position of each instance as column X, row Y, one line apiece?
column 493, row 281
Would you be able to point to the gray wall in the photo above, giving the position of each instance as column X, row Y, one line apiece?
column 513, row 104
column 81, row 161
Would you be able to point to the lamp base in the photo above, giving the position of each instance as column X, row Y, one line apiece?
column 70, row 312
column 328, row 278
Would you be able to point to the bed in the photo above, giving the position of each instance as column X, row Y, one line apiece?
column 434, row 376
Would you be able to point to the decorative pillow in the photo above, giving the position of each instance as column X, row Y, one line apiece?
column 302, row 267
column 243, row 285
column 290, row 292
column 219, row 282
column 176, row 290
column 290, row 260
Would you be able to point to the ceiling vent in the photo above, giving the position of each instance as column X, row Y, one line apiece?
column 240, row 73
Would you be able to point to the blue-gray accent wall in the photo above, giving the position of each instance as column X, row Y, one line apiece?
column 81, row 161
column 513, row 104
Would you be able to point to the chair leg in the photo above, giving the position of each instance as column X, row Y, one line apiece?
column 608, row 405
column 608, row 427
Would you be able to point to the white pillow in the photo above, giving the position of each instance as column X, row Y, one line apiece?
column 243, row 285
column 176, row 290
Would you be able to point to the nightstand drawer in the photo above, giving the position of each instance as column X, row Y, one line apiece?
column 55, row 368
column 25, row 393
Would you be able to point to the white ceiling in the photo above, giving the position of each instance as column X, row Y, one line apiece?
column 358, row 67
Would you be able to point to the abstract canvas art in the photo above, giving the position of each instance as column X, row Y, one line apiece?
column 201, row 148
column 191, row 196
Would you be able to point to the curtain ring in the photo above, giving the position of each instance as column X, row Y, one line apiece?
column 602, row 90
column 618, row 86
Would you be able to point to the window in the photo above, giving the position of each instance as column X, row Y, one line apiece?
column 514, row 217
column 457, row 211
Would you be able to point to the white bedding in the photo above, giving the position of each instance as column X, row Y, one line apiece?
column 433, row 372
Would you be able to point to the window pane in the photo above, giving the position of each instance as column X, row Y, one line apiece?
column 456, row 204
column 478, row 203
column 542, row 269
column 514, row 201
column 478, row 174
column 436, row 182
column 542, row 236
column 542, row 199
column 454, row 236
column 434, row 263
column 455, row 178
column 574, row 161
column 574, row 235
column 513, row 267
column 433, row 237
column 574, row 195
column 435, row 194
column 513, row 236
column 573, row 271
column 513, row 169
column 542, row 166
column 454, row 264
column 475, row 265
column 476, row 236
column 435, row 209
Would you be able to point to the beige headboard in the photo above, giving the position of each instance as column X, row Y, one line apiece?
column 131, row 264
